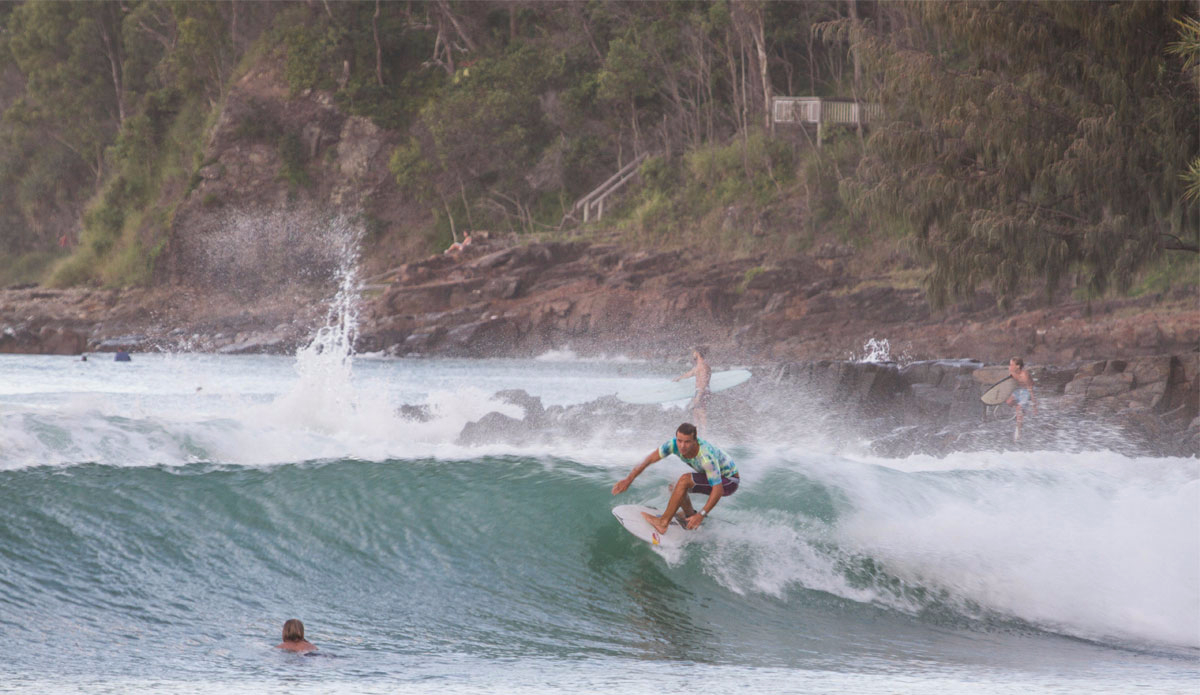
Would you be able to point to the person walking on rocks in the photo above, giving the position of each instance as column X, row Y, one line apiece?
column 1023, row 394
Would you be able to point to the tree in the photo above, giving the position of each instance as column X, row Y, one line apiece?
column 1187, row 48
column 1027, row 140
column 71, row 60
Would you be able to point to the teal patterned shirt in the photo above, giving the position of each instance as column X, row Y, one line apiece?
column 710, row 461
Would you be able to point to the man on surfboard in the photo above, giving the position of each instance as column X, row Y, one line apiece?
column 1023, row 394
column 716, row 475
column 703, row 374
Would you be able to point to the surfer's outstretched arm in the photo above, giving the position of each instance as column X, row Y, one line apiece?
column 690, row 372
column 623, row 484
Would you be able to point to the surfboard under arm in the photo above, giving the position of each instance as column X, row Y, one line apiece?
column 999, row 391
column 667, row 391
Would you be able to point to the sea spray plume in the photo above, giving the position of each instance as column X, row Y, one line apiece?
column 328, row 400
column 336, row 338
column 325, row 364
column 258, row 252
column 880, row 350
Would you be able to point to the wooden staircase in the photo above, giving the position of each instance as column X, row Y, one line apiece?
column 592, row 204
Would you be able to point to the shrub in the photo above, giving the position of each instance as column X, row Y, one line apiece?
column 292, row 160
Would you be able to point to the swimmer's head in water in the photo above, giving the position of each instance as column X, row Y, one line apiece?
column 293, row 631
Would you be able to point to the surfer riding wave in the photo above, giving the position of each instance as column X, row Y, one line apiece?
column 716, row 475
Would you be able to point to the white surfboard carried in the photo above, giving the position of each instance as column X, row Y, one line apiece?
column 630, row 516
column 667, row 391
column 999, row 392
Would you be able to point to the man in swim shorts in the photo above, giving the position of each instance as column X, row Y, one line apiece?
column 715, row 474
column 1023, row 394
column 703, row 373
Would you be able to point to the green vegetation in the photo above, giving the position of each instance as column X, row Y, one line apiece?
column 1031, row 140
column 1022, row 146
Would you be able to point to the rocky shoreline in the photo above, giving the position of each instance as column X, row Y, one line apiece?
column 1131, row 366
column 1141, row 407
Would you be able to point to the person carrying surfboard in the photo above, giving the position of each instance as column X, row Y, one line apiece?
column 716, row 475
column 703, row 373
column 1023, row 394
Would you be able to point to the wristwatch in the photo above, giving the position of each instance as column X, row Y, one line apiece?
column 702, row 513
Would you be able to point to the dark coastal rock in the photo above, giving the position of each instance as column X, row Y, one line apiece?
column 576, row 422
column 38, row 338
column 535, row 412
column 934, row 407
column 491, row 428
column 122, row 342
column 934, row 372
column 497, row 297
column 61, row 340
column 415, row 413
column 259, row 343
column 481, row 338
column 19, row 339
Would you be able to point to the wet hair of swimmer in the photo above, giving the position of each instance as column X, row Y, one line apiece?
column 701, row 350
column 1018, row 361
column 293, row 631
column 687, row 428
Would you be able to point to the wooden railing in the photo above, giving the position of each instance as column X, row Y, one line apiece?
column 595, row 199
column 820, row 110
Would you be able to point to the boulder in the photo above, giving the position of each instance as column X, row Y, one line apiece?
column 493, row 427
column 535, row 413
column 1110, row 384
column 481, row 338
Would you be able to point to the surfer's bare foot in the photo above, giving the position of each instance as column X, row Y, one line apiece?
column 658, row 524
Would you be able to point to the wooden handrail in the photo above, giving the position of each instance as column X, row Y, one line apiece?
column 613, row 183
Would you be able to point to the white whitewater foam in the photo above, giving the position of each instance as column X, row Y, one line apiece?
column 1098, row 545
column 566, row 354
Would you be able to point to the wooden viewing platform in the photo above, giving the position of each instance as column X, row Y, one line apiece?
column 821, row 110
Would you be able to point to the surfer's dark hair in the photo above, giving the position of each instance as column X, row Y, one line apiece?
column 686, row 428
column 1020, row 362
column 293, row 631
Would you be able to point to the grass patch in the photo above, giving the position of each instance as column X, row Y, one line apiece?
column 26, row 268
column 1173, row 270
column 909, row 279
column 125, row 225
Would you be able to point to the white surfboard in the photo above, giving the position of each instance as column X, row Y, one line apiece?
column 630, row 516
column 667, row 391
column 999, row 392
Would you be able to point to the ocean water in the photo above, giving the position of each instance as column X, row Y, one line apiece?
column 162, row 518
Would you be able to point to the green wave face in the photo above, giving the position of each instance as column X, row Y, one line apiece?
column 495, row 557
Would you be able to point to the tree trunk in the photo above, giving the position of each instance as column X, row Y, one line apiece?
column 857, row 72
column 760, row 43
column 444, row 5
column 738, row 99
column 378, row 47
column 233, row 22
column 812, row 67
column 112, row 51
